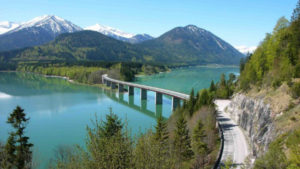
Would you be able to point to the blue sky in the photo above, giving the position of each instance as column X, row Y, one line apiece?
column 239, row 22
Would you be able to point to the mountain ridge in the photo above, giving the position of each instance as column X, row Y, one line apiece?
column 91, row 45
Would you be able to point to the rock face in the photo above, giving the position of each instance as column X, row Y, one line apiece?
column 256, row 118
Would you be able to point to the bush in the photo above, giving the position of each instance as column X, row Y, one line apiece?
column 296, row 90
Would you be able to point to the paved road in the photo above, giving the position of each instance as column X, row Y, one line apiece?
column 235, row 144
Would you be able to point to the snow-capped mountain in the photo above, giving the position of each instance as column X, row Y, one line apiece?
column 245, row 49
column 118, row 34
column 51, row 23
column 37, row 31
column 6, row 26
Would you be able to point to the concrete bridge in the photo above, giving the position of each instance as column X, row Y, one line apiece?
column 159, row 92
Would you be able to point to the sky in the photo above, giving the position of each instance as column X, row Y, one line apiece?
column 239, row 22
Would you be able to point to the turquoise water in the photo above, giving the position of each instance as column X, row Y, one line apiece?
column 59, row 111
column 184, row 79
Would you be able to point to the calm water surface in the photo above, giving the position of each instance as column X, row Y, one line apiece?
column 184, row 79
column 59, row 111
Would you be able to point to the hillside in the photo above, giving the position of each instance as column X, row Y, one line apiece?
column 180, row 46
column 267, row 103
column 193, row 45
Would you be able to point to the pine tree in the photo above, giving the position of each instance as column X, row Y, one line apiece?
column 161, row 137
column 182, row 142
column 200, row 147
column 18, row 148
column 191, row 102
column 296, row 12
column 212, row 87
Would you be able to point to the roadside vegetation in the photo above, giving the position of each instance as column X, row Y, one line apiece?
column 272, row 72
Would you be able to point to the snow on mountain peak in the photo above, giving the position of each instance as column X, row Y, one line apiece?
column 246, row 49
column 6, row 26
column 106, row 30
column 50, row 22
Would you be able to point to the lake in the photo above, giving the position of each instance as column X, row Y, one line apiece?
column 59, row 111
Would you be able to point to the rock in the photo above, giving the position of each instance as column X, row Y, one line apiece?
column 255, row 117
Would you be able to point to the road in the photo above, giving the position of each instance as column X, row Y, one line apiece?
column 235, row 143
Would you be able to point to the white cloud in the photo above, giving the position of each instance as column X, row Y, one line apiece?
column 246, row 49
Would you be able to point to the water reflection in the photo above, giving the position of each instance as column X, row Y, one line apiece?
column 120, row 98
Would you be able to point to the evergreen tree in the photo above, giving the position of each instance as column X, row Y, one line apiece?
column 18, row 148
column 161, row 142
column 212, row 87
column 161, row 131
column 111, row 126
column 296, row 12
column 222, row 80
column 109, row 145
column 191, row 102
column 200, row 147
column 182, row 142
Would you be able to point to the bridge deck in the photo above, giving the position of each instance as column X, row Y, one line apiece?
column 155, row 89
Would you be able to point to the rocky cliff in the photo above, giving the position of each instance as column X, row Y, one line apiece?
column 256, row 118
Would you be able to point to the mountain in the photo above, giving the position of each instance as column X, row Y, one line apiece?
column 6, row 26
column 37, row 31
column 192, row 45
column 77, row 46
column 118, row 34
column 182, row 45
column 139, row 38
column 245, row 49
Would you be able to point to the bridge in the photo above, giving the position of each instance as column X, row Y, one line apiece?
column 159, row 92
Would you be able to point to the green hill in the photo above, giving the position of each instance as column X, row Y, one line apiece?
column 183, row 45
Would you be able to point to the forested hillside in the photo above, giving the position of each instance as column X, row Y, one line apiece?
column 272, row 73
column 182, row 46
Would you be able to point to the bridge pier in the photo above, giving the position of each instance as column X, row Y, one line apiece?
column 158, row 98
column 130, row 90
column 143, row 94
column 108, row 83
column 175, row 103
column 121, row 88
column 113, row 85
column 130, row 100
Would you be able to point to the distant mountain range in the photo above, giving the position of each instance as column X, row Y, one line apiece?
column 118, row 34
column 44, row 29
column 182, row 45
column 37, row 31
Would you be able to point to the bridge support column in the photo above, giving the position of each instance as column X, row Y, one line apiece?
column 131, row 100
column 121, row 88
column 175, row 103
column 143, row 94
column 107, row 83
column 130, row 90
column 113, row 85
column 158, row 98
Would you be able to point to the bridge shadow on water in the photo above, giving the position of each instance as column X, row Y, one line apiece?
column 130, row 103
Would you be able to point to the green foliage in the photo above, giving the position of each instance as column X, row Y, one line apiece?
column 296, row 90
column 273, row 159
column 108, row 145
column 182, row 142
column 17, row 150
column 199, row 146
column 276, row 60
